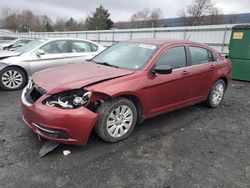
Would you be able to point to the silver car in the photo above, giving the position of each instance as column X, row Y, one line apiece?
column 16, row 43
column 18, row 65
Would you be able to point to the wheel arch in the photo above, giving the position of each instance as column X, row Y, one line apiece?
column 136, row 101
column 16, row 66
column 224, row 79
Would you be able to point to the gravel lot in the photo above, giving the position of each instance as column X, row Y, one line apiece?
column 193, row 147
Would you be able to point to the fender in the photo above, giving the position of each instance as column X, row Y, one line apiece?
column 3, row 65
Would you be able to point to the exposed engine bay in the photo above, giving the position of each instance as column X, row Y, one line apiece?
column 70, row 99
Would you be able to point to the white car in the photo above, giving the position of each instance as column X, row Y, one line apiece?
column 16, row 43
column 4, row 40
column 16, row 66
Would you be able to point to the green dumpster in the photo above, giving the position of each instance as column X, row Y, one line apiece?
column 239, row 52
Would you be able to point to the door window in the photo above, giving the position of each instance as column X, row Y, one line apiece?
column 55, row 47
column 173, row 57
column 200, row 55
column 80, row 46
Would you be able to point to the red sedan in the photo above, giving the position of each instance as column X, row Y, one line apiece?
column 125, row 84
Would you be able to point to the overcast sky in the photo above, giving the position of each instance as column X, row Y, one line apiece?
column 120, row 10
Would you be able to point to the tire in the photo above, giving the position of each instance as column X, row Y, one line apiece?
column 113, row 127
column 12, row 78
column 216, row 94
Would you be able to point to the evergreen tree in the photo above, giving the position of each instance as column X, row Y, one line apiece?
column 48, row 27
column 100, row 20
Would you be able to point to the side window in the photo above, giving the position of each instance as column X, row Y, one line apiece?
column 55, row 47
column 80, row 46
column 200, row 55
column 94, row 48
column 173, row 57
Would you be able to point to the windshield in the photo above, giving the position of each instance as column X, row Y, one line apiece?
column 29, row 46
column 126, row 55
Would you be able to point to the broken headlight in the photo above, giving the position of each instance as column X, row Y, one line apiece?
column 69, row 99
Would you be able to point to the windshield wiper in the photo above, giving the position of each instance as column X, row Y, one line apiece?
column 106, row 64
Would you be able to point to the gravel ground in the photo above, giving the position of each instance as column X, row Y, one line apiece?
column 193, row 147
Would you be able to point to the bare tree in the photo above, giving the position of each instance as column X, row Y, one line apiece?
column 60, row 24
column 11, row 22
column 214, row 17
column 5, row 12
column 139, row 19
column 146, row 18
column 198, row 10
column 154, row 19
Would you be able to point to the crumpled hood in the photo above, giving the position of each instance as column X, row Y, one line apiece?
column 6, row 53
column 74, row 76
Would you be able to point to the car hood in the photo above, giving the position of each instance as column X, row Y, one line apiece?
column 6, row 53
column 74, row 76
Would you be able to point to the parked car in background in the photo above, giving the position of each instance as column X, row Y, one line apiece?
column 16, row 43
column 16, row 66
column 125, row 84
column 6, row 40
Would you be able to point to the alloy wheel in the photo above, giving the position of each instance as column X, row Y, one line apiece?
column 119, row 121
column 217, row 94
column 12, row 79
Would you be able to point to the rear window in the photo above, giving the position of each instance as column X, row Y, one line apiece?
column 200, row 55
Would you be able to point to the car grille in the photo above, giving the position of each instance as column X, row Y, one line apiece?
column 33, row 93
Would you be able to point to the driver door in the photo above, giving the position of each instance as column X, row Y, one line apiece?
column 171, row 91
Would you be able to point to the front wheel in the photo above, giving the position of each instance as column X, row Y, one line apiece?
column 12, row 78
column 216, row 94
column 117, row 121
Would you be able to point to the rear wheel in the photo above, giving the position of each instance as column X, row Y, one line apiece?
column 12, row 78
column 117, row 121
column 216, row 94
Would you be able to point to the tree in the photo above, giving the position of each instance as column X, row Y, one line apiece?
column 71, row 25
column 11, row 22
column 48, row 28
column 146, row 18
column 5, row 13
column 100, row 20
column 60, row 24
column 154, row 19
column 140, row 18
column 198, row 10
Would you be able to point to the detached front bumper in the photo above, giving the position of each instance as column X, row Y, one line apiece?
column 69, row 126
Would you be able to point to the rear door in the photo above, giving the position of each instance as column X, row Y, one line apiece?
column 202, row 66
column 56, row 54
column 81, row 50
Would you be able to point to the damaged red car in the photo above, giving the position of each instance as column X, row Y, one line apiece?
column 125, row 84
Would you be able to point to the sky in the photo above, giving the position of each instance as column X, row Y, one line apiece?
column 121, row 10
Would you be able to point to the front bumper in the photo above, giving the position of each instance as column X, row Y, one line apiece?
column 48, row 121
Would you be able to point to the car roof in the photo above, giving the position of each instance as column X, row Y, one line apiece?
column 161, row 42
column 65, row 38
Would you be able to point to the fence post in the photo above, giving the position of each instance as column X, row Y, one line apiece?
column 98, row 37
column 113, row 37
column 185, row 34
column 224, row 39
column 131, row 35
column 154, row 34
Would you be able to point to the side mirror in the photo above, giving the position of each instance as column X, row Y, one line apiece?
column 40, row 52
column 162, row 69
column 16, row 46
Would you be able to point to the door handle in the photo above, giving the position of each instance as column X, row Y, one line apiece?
column 184, row 72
